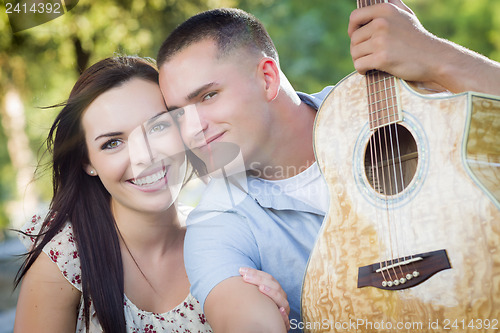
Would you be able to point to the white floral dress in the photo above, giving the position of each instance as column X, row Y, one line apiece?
column 185, row 317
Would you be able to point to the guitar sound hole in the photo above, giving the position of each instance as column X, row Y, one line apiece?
column 391, row 159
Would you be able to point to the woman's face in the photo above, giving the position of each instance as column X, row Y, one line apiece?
column 134, row 147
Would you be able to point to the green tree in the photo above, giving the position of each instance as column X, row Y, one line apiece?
column 474, row 24
column 40, row 65
column 311, row 38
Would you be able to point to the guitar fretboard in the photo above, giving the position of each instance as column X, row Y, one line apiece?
column 383, row 105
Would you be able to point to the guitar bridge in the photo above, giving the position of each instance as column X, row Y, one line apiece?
column 403, row 273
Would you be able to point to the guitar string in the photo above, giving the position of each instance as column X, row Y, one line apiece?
column 376, row 174
column 387, row 104
column 387, row 110
column 380, row 174
column 407, row 254
column 391, row 104
column 410, row 307
column 385, row 166
column 374, row 158
column 393, row 111
column 386, row 175
column 374, row 162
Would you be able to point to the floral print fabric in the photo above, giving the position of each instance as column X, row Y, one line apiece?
column 186, row 317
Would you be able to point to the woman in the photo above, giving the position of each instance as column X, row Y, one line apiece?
column 113, row 230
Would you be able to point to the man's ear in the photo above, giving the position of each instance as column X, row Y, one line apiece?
column 270, row 69
column 89, row 169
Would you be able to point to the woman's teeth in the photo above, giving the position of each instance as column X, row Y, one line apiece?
column 148, row 180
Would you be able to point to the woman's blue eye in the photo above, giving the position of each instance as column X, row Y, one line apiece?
column 159, row 127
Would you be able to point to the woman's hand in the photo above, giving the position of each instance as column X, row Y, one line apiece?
column 269, row 287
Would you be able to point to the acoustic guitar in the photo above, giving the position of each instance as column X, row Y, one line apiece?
column 411, row 241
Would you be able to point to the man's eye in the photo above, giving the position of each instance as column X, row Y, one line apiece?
column 111, row 144
column 178, row 113
column 209, row 95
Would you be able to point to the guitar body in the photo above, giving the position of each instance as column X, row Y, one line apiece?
column 450, row 202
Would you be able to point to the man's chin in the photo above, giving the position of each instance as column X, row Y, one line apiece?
column 221, row 156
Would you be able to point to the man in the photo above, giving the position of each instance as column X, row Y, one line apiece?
column 220, row 74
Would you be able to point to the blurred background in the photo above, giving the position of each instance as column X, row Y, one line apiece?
column 40, row 65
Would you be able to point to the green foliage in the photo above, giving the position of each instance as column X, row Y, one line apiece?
column 311, row 38
column 43, row 62
column 474, row 24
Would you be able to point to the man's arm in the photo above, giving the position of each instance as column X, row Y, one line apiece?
column 270, row 287
column 236, row 306
column 389, row 37
column 214, row 252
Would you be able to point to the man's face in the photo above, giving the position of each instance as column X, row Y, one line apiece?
column 221, row 103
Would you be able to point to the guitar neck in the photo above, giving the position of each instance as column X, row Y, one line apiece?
column 382, row 93
column 383, row 100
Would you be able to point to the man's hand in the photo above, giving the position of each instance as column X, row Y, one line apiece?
column 389, row 37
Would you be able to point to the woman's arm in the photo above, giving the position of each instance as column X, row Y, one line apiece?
column 47, row 301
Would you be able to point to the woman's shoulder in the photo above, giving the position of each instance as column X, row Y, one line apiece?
column 61, row 249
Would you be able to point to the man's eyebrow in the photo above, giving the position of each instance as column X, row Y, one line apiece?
column 193, row 95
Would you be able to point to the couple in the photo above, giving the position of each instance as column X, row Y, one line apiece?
column 116, row 232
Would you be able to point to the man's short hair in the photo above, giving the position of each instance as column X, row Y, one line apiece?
column 230, row 28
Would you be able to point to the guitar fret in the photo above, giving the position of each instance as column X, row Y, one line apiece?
column 391, row 98
column 380, row 105
column 391, row 118
column 385, row 89
column 375, row 108
column 381, row 115
column 384, row 80
column 380, row 95
column 381, row 110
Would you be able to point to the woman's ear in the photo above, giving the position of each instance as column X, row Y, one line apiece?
column 89, row 169
column 271, row 72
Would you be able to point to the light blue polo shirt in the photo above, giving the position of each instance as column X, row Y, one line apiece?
column 248, row 222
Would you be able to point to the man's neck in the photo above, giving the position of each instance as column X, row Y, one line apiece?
column 293, row 151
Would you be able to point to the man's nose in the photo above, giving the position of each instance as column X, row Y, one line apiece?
column 193, row 126
column 139, row 149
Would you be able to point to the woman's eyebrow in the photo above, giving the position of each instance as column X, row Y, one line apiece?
column 153, row 118
column 107, row 135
